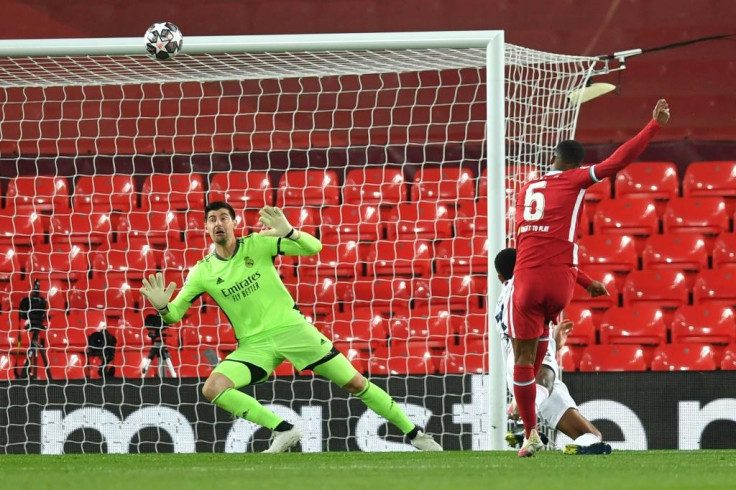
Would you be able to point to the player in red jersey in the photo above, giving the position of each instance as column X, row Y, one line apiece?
column 548, row 210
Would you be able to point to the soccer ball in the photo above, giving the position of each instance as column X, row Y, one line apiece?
column 163, row 40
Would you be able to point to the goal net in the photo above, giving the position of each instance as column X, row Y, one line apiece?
column 392, row 149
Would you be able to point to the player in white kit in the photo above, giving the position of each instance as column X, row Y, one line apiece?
column 554, row 404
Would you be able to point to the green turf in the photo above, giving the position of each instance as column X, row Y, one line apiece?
column 375, row 471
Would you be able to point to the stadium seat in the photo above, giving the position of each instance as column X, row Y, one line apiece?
column 420, row 221
column 9, row 265
column 7, row 366
column 449, row 185
column 209, row 331
column 86, row 321
column 462, row 256
column 600, row 191
column 684, row 357
column 728, row 361
column 471, row 327
column 724, row 251
column 664, row 288
column 516, row 177
column 362, row 328
column 129, row 363
column 705, row 324
column 80, row 228
column 23, row 230
column 652, row 180
column 351, row 223
column 583, row 332
column 717, row 286
column 69, row 262
column 113, row 295
column 567, row 360
column 385, row 295
column 167, row 192
column 469, row 356
column 711, row 179
column 300, row 188
column 37, row 194
column 627, row 216
column 53, row 290
column 643, row 325
column 306, row 219
column 472, row 219
column 679, row 252
column 130, row 263
column 402, row 358
column 319, row 297
column 341, row 260
column 608, row 253
column 581, row 298
column 699, row 215
column 154, row 228
column 197, row 363
column 435, row 329
column 597, row 358
column 404, row 258
column 66, row 364
column 104, row 194
column 176, row 263
column 376, row 185
column 456, row 293
column 241, row 189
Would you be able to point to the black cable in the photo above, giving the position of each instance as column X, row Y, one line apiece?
column 670, row 46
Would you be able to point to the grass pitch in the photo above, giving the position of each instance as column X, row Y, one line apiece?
column 647, row 470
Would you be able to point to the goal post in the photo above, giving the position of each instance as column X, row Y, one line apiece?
column 358, row 136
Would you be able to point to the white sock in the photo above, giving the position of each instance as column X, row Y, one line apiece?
column 542, row 394
column 587, row 440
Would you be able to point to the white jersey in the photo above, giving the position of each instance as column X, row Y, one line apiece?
column 501, row 315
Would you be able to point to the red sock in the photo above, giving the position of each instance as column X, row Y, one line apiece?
column 541, row 352
column 525, row 392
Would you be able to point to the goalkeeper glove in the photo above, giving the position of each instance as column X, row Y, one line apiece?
column 153, row 289
column 277, row 223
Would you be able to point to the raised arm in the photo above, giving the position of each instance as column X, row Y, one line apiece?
column 160, row 298
column 292, row 241
column 628, row 152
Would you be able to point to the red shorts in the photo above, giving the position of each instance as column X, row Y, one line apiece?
column 538, row 297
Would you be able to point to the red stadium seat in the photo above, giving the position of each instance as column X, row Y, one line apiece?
column 711, row 179
column 724, row 251
column 309, row 188
column 434, row 329
column 627, row 216
column 613, row 358
column 86, row 229
column 241, row 189
column 384, row 295
column 306, row 219
column 53, row 290
column 197, row 363
column 472, row 220
column 664, row 288
column 351, row 223
column 133, row 263
column 600, row 191
column 728, row 361
column 402, row 358
column 705, row 324
column 567, row 360
column 84, row 322
column 684, row 357
column 37, row 194
column 339, row 260
column 717, row 286
column 462, row 256
column 129, row 363
column 65, row 262
column 66, row 364
column 516, row 177
column 583, row 331
column 643, row 325
column 23, row 230
column 104, row 194
column 7, row 366
column 679, row 252
column 581, row 298
column 653, row 180
column 608, row 253
column 420, row 221
column 9, row 265
column 450, row 185
column 155, row 228
column 699, row 215
column 319, row 297
column 378, row 185
column 399, row 259
column 456, row 293
column 472, row 327
column 168, row 192
column 113, row 295
column 362, row 328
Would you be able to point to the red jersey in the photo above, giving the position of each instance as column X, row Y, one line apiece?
column 548, row 209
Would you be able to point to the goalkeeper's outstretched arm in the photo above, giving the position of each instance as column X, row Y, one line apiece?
column 160, row 298
column 292, row 241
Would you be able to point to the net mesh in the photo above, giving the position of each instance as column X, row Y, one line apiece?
column 107, row 163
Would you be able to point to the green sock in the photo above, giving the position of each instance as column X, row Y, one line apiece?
column 246, row 407
column 380, row 402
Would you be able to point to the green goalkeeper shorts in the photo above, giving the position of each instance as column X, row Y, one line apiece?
column 301, row 344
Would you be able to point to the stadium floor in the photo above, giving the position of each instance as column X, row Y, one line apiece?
column 450, row 470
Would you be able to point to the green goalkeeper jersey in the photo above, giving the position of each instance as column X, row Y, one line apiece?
column 247, row 285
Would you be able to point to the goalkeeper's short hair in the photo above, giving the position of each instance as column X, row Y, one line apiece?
column 217, row 205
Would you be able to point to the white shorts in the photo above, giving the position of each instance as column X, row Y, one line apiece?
column 553, row 408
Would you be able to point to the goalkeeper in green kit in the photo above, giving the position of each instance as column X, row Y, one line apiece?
column 241, row 277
